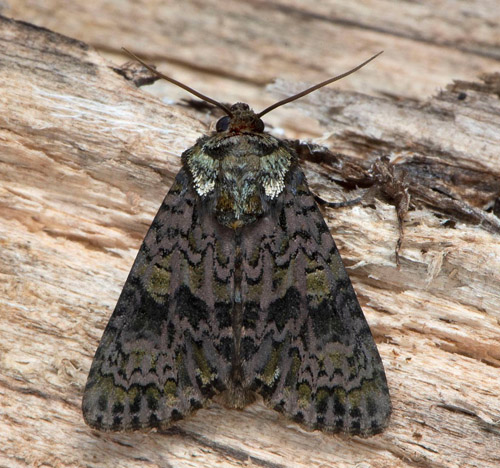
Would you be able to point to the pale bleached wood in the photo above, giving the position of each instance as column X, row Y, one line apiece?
column 471, row 26
column 86, row 160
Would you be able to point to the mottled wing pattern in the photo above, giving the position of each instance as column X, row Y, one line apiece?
column 167, row 347
column 306, row 346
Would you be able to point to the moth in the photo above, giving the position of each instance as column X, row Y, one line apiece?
column 238, row 289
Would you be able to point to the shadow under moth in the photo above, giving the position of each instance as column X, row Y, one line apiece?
column 238, row 289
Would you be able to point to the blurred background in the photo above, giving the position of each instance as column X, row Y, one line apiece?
column 230, row 50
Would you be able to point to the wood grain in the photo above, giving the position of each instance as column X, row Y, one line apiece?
column 428, row 43
column 86, row 158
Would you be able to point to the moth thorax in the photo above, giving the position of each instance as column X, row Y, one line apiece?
column 238, row 195
column 238, row 176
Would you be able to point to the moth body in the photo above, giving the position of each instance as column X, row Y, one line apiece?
column 238, row 289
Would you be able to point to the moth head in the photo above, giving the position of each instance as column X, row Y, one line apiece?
column 242, row 119
column 239, row 116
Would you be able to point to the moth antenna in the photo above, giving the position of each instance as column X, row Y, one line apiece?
column 178, row 83
column 315, row 87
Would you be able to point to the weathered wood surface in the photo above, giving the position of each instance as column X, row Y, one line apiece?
column 229, row 49
column 86, row 160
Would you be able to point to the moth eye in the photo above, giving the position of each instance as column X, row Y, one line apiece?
column 259, row 126
column 222, row 124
